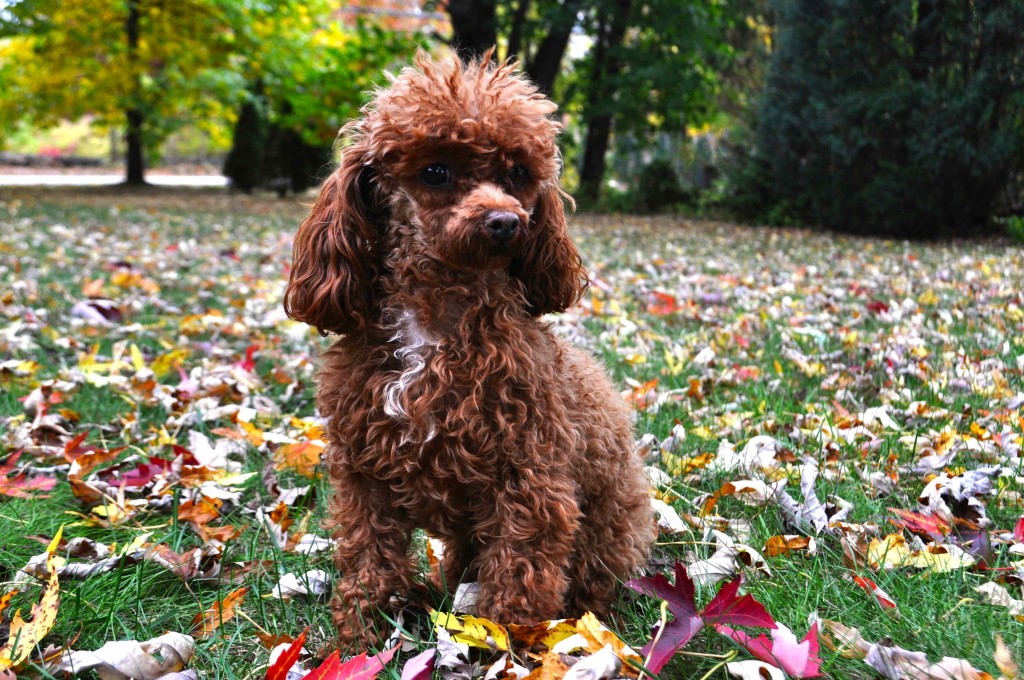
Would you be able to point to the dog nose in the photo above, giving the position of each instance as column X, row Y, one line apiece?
column 502, row 225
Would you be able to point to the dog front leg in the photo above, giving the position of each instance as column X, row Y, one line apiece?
column 372, row 555
column 529, row 537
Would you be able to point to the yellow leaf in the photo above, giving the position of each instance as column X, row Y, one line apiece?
column 546, row 634
column 23, row 637
column 940, row 559
column 165, row 363
column 598, row 636
column 137, row 361
column 892, row 551
column 472, row 630
column 479, row 632
column 253, row 434
column 52, row 548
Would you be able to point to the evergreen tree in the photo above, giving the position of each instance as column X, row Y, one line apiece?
column 895, row 117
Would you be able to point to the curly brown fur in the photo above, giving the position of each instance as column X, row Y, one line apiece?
column 452, row 406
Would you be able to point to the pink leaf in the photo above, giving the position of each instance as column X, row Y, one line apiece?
column 357, row 668
column 797, row 659
column 421, row 666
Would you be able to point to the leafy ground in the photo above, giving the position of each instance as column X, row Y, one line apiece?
column 836, row 421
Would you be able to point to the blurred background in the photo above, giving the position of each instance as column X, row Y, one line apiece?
column 902, row 118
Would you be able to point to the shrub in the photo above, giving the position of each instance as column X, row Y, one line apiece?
column 893, row 117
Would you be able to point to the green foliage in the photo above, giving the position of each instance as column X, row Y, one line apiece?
column 66, row 60
column 313, row 75
column 194, row 63
column 899, row 118
column 316, row 72
column 666, row 82
column 1015, row 228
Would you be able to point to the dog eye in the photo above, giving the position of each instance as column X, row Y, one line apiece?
column 519, row 176
column 436, row 175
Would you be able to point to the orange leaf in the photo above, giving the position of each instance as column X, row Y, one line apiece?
column 662, row 304
column 204, row 625
column 201, row 511
column 302, row 457
column 777, row 545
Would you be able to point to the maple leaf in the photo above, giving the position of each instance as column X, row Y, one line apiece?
column 798, row 659
column 283, row 664
column 302, row 457
column 931, row 527
column 21, row 485
column 725, row 607
column 361, row 667
column 680, row 597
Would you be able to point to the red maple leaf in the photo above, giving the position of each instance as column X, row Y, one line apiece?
column 279, row 669
column 725, row 607
column 929, row 526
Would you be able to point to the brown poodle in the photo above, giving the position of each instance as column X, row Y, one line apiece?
column 433, row 250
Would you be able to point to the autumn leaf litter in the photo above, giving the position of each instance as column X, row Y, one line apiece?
column 805, row 404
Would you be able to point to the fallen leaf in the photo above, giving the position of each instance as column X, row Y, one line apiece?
column 359, row 667
column 797, row 659
column 23, row 637
column 205, row 624
column 279, row 669
column 420, row 667
column 149, row 660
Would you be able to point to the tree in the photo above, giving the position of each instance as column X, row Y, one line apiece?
column 147, row 65
column 536, row 32
column 899, row 117
column 311, row 74
column 650, row 71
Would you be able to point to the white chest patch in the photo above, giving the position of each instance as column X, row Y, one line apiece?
column 414, row 343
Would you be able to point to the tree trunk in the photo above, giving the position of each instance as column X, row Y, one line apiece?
column 613, row 19
column 474, row 27
column 134, row 163
column 515, row 34
column 135, row 166
column 547, row 62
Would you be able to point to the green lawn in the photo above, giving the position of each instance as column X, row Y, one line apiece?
column 862, row 356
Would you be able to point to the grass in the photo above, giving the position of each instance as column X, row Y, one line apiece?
column 802, row 326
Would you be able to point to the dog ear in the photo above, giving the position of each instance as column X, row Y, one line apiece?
column 550, row 269
column 334, row 258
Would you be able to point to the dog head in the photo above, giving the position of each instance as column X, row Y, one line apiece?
column 453, row 162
